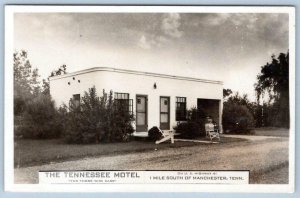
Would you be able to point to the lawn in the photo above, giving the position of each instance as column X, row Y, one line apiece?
column 267, row 158
column 30, row 152
column 271, row 131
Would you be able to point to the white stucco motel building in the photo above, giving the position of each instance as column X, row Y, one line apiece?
column 155, row 99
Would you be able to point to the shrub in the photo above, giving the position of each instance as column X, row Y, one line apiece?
column 117, row 120
column 189, row 130
column 237, row 118
column 72, row 124
column 40, row 119
column 97, row 119
column 154, row 134
column 194, row 126
column 120, row 126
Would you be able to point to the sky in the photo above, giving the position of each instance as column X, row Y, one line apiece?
column 216, row 46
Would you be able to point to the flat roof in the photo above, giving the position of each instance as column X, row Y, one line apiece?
column 110, row 69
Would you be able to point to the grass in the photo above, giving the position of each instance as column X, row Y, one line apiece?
column 28, row 152
column 271, row 131
column 267, row 131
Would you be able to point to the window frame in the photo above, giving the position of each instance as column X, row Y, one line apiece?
column 124, row 97
column 179, row 116
column 75, row 99
column 117, row 94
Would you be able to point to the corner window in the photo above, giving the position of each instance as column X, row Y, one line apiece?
column 180, row 108
column 122, row 100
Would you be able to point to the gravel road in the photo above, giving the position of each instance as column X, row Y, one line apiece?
column 259, row 155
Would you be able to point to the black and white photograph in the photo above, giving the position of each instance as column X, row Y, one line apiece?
column 142, row 98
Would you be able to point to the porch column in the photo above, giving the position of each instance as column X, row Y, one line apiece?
column 220, row 115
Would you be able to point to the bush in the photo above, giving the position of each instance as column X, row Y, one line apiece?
column 237, row 118
column 154, row 134
column 117, row 120
column 189, row 130
column 97, row 119
column 120, row 126
column 39, row 120
column 194, row 126
column 72, row 124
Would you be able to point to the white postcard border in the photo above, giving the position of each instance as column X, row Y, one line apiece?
column 8, row 103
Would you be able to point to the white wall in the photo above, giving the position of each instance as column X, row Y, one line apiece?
column 61, row 92
column 137, row 84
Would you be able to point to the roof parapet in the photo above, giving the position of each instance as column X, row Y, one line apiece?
column 110, row 69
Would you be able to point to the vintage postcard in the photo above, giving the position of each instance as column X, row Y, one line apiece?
column 149, row 98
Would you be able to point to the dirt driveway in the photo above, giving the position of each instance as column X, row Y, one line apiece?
column 261, row 156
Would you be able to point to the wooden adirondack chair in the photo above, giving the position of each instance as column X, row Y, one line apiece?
column 167, row 135
column 211, row 132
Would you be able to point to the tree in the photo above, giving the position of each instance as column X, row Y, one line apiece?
column 238, row 113
column 35, row 113
column 273, row 81
column 40, row 120
column 46, row 85
column 26, row 81
column 226, row 93
column 237, row 118
column 60, row 71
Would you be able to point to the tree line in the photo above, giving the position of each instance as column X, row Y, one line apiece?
column 271, row 109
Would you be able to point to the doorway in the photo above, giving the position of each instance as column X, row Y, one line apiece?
column 141, row 113
column 164, row 113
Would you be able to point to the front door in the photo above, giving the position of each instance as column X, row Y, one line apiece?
column 141, row 113
column 164, row 113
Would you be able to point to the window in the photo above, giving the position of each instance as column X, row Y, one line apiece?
column 122, row 100
column 180, row 108
column 121, row 96
column 76, row 100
